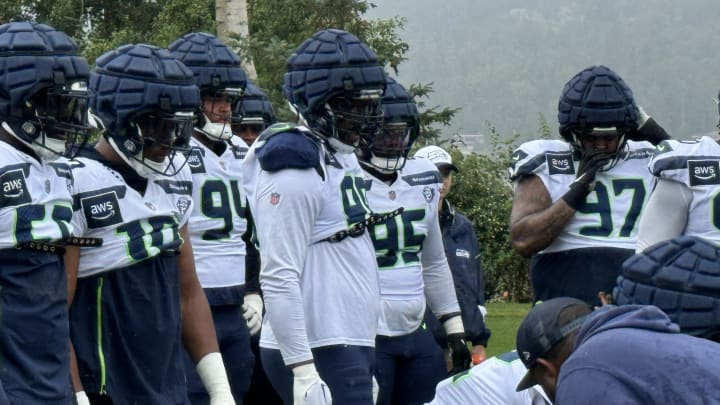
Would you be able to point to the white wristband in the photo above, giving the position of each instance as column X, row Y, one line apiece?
column 212, row 373
column 81, row 398
column 454, row 325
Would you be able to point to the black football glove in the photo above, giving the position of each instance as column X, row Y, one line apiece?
column 590, row 162
column 460, row 354
column 648, row 129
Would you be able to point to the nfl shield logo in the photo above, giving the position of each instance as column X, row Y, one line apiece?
column 392, row 195
column 274, row 198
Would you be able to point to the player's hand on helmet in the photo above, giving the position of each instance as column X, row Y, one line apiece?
column 647, row 128
column 590, row 162
column 252, row 312
column 308, row 387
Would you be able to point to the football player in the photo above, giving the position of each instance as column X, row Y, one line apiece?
column 463, row 255
column 685, row 200
column 307, row 194
column 411, row 259
column 138, row 298
column 577, row 201
column 252, row 114
column 43, row 105
column 491, row 383
column 218, row 220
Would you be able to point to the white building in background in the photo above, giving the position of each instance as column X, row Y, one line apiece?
column 471, row 143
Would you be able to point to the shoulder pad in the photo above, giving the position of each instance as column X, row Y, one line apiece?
column 287, row 147
column 533, row 156
column 671, row 155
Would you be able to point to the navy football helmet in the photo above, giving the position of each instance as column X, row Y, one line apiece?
column 219, row 76
column 401, row 127
column 146, row 100
column 334, row 84
column 43, row 92
column 681, row 276
column 252, row 114
column 596, row 102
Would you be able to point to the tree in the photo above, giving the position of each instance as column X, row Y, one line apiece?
column 231, row 17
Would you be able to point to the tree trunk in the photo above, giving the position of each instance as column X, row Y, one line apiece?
column 231, row 17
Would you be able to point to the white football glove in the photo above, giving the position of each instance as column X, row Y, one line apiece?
column 212, row 373
column 308, row 388
column 252, row 312
column 81, row 398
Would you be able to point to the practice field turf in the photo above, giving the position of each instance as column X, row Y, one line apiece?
column 503, row 320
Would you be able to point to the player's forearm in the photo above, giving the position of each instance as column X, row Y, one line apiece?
column 286, row 314
column 535, row 232
column 75, row 371
column 198, row 330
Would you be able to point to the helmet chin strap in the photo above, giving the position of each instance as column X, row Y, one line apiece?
column 143, row 167
column 215, row 131
column 385, row 165
column 49, row 148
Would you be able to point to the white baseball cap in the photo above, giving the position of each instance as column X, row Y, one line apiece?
column 436, row 155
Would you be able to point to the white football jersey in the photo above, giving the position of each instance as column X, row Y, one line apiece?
column 611, row 212
column 133, row 226
column 317, row 293
column 409, row 248
column 35, row 200
column 218, row 219
column 695, row 164
column 491, row 382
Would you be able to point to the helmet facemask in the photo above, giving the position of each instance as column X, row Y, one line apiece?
column 164, row 139
column 217, row 108
column 351, row 121
column 606, row 135
column 54, row 119
column 389, row 149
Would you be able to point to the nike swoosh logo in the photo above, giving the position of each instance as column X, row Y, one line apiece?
column 661, row 147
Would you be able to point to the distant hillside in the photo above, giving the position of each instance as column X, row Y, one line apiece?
column 506, row 61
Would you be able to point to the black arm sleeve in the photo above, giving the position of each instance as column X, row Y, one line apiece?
column 252, row 256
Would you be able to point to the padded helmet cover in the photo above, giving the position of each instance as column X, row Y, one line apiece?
column 681, row 276
column 597, row 97
column 33, row 57
column 214, row 64
column 329, row 63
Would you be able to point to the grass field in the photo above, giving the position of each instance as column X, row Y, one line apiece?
column 503, row 320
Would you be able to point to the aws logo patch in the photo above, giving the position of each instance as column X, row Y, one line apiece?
column 101, row 210
column 195, row 161
column 560, row 163
column 14, row 188
column 703, row 172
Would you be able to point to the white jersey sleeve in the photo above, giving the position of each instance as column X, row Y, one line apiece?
column 286, row 206
column 35, row 200
column 492, row 382
column 696, row 165
column 609, row 216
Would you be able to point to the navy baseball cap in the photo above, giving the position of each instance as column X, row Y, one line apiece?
column 541, row 330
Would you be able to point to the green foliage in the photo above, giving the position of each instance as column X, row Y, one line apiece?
column 101, row 25
column 430, row 116
column 481, row 191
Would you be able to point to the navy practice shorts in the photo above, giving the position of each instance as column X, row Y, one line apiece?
column 34, row 332
column 408, row 367
column 125, row 327
column 347, row 370
column 578, row 273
